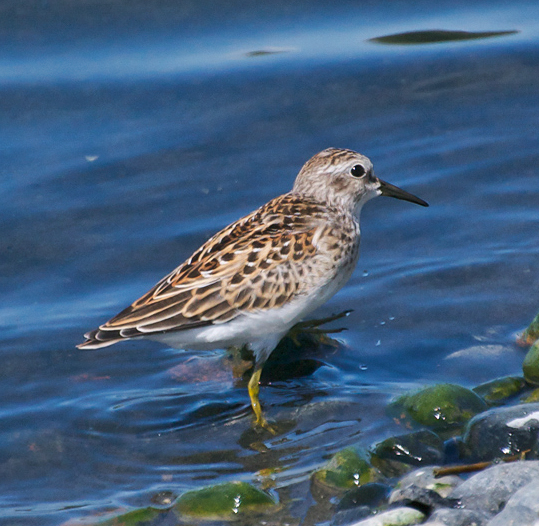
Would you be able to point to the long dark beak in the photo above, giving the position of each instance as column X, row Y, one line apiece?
column 392, row 191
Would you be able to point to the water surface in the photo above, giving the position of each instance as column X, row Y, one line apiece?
column 131, row 133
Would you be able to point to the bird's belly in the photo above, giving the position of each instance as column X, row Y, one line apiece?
column 260, row 329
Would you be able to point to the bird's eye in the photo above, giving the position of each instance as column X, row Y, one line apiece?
column 358, row 170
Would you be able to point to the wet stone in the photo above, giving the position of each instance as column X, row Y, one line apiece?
column 530, row 365
column 360, row 502
column 163, row 499
column 348, row 468
column 531, row 334
column 531, row 397
column 457, row 517
column 370, row 495
column 412, row 449
column 499, row 390
column 350, row 516
column 490, row 490
column 502, row 432
column 422, row 487
column 224, row 501
column 522, row 508
column 439, row 407
column 403, row 516
column 140, row 517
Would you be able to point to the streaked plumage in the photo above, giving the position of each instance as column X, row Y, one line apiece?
column 252, row 281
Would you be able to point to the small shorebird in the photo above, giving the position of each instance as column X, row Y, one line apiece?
column 256, row 278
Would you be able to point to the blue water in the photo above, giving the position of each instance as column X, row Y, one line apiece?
column 130, row 133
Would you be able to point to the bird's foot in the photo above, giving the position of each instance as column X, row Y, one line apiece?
column 313, row 327
column 262, row 423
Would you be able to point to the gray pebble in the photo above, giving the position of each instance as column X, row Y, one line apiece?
column 457, row 517
column 502, row 432
column 522, row 509
column 490, row 489
column 423, row 487
column 396, row 517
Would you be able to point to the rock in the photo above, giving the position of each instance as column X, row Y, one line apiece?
column 370, row 495
column 481, row 363
column 224, row 501
column 531, row 333
column 456, row 517
column 413, row 449
column 531, row 397
column 530, row 365
column 348, row 468
column 522, row 509
column 502, row 432
column 396, row 517
column 422, row 487
column 440, row 406
column 350, row 516
column 489, row 490
column 501, row 389
column 140, row 517
column 163, row 499
column 360, row 502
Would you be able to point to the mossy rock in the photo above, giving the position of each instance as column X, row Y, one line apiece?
column 499, row 390
column 139, row 517
column 224, row 501
column 530, row 366
column 348, row 468
column 531, row 397
column 439, row 407
column 531, row 334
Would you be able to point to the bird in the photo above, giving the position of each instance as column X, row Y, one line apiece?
column 254, row 280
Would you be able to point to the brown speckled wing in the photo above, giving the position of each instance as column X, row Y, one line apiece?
column 257, row 263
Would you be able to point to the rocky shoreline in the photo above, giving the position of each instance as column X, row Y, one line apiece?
column 470, row 458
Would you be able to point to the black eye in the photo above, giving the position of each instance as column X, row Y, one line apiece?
column 358, row 170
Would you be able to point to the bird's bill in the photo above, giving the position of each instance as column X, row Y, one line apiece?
column 390, row 190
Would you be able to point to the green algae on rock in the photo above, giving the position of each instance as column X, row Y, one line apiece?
column 138, row 517
column 531, row 334
column 531, row 397
column 440, row 406
column 348, row 468
column 530, row 366
column 498, row 390
column 224, row 501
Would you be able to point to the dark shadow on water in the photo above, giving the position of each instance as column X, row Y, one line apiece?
column 436, row 36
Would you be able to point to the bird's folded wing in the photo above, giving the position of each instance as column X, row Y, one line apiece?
column 257, row 263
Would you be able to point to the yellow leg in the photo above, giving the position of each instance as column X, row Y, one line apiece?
column 254, row 389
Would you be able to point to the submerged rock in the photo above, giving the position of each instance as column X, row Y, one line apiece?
column 489, row 490
column 348, row 468
column 530, row 366
column 440, row 406
column 360, row 502
column 499, row 390
column 224, row 501
column 502, row 432
column 423, row 487
column 531, row 397
column 140, row 517
column 413, row 449
column 371, row 495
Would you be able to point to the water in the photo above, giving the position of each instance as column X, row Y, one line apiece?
column 130, row 133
